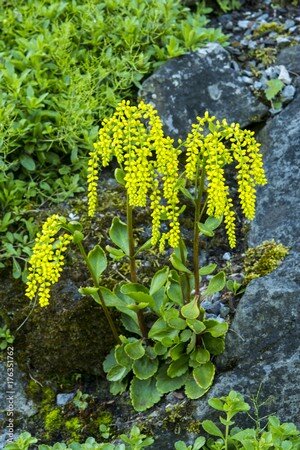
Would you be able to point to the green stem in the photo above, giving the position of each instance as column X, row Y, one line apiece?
column 133, row 274
column 96, row 284
column 199, row 188
column 186, row 295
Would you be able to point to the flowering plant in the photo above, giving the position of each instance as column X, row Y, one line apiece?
column 170, row 341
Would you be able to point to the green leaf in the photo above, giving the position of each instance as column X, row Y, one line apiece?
column 177, row 351
column 178, row 367
column 216, row 284
column 145, row 367
column 167, row 384
column 28, row 163
column 177, row 264
column 17, row 271
column 196, row 325
column 144, row 393
column 205, row 230
column 160, row 330
column 115, row 253
column 109, row 361
column 199, row 442
column 122, row 358
column 88, row 290
column 97, row 260
column 180, row 445
column 159, row 280
column 207, row 270
column 193, row 390
column 216, row 403
column 118, row 233
column 215, row 346
column 135, row 350
column 119, row 176
column 146, row 246
column 117, row 373
column 216, row 328
column 212, row 429
column 200, row 355
column 213, row 222
column 117, row 387
column 204, row 374
column 274, row 87
column 77, row 237
column 191, row 310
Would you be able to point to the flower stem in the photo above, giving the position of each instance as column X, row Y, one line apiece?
column 99, row 295
column 199, row 188
column 133, row 274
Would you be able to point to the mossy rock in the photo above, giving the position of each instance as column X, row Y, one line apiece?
column 69, row 336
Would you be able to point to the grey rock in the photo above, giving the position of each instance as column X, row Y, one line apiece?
column 13, row 398
column 187, row 86
column 224, row 311
column 243, row 24
column 247, row 80
column 290, row 58
column 289, row 23
column 284, row 75
column 257, row 85
column 288, row 92
column 282, row 40
column 226, row 256
column 64, row 398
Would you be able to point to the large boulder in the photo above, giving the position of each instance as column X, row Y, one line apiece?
column 290, row 58
column 262, row 347
column 204, row 80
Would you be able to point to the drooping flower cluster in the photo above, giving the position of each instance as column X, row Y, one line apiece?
column 47, row 260
column 211, row 149
column 134, row 136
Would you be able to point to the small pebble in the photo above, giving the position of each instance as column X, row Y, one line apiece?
column 63, row 399
column 224, row 311
column 247, row 80
column 284, row 75
column 226, row 256
column 288, row 24
column 288, row 92
column 243, row 24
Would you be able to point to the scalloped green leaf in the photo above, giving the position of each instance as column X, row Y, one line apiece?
column 196, row 325
column 122, row 358
column 178, row 367
column 216, row 328
column 145, row 367
column 215, row 346
column 135, row 350
column 166, row 384
column 204, row 374
column 192, row 389
column 144, row 393
column 191, row 310
column 117, row 373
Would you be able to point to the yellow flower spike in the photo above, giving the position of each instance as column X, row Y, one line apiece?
column 47, row 260
column 134, row 135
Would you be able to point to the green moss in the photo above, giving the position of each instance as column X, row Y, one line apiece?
column 263, row 259
column 53, row 422
column 73, row 427
column 266, row 55
column 105, row 418
column 265, row 28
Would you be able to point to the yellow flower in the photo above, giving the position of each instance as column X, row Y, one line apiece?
column 47, row 260
column 134, row 135
column 213, row 144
